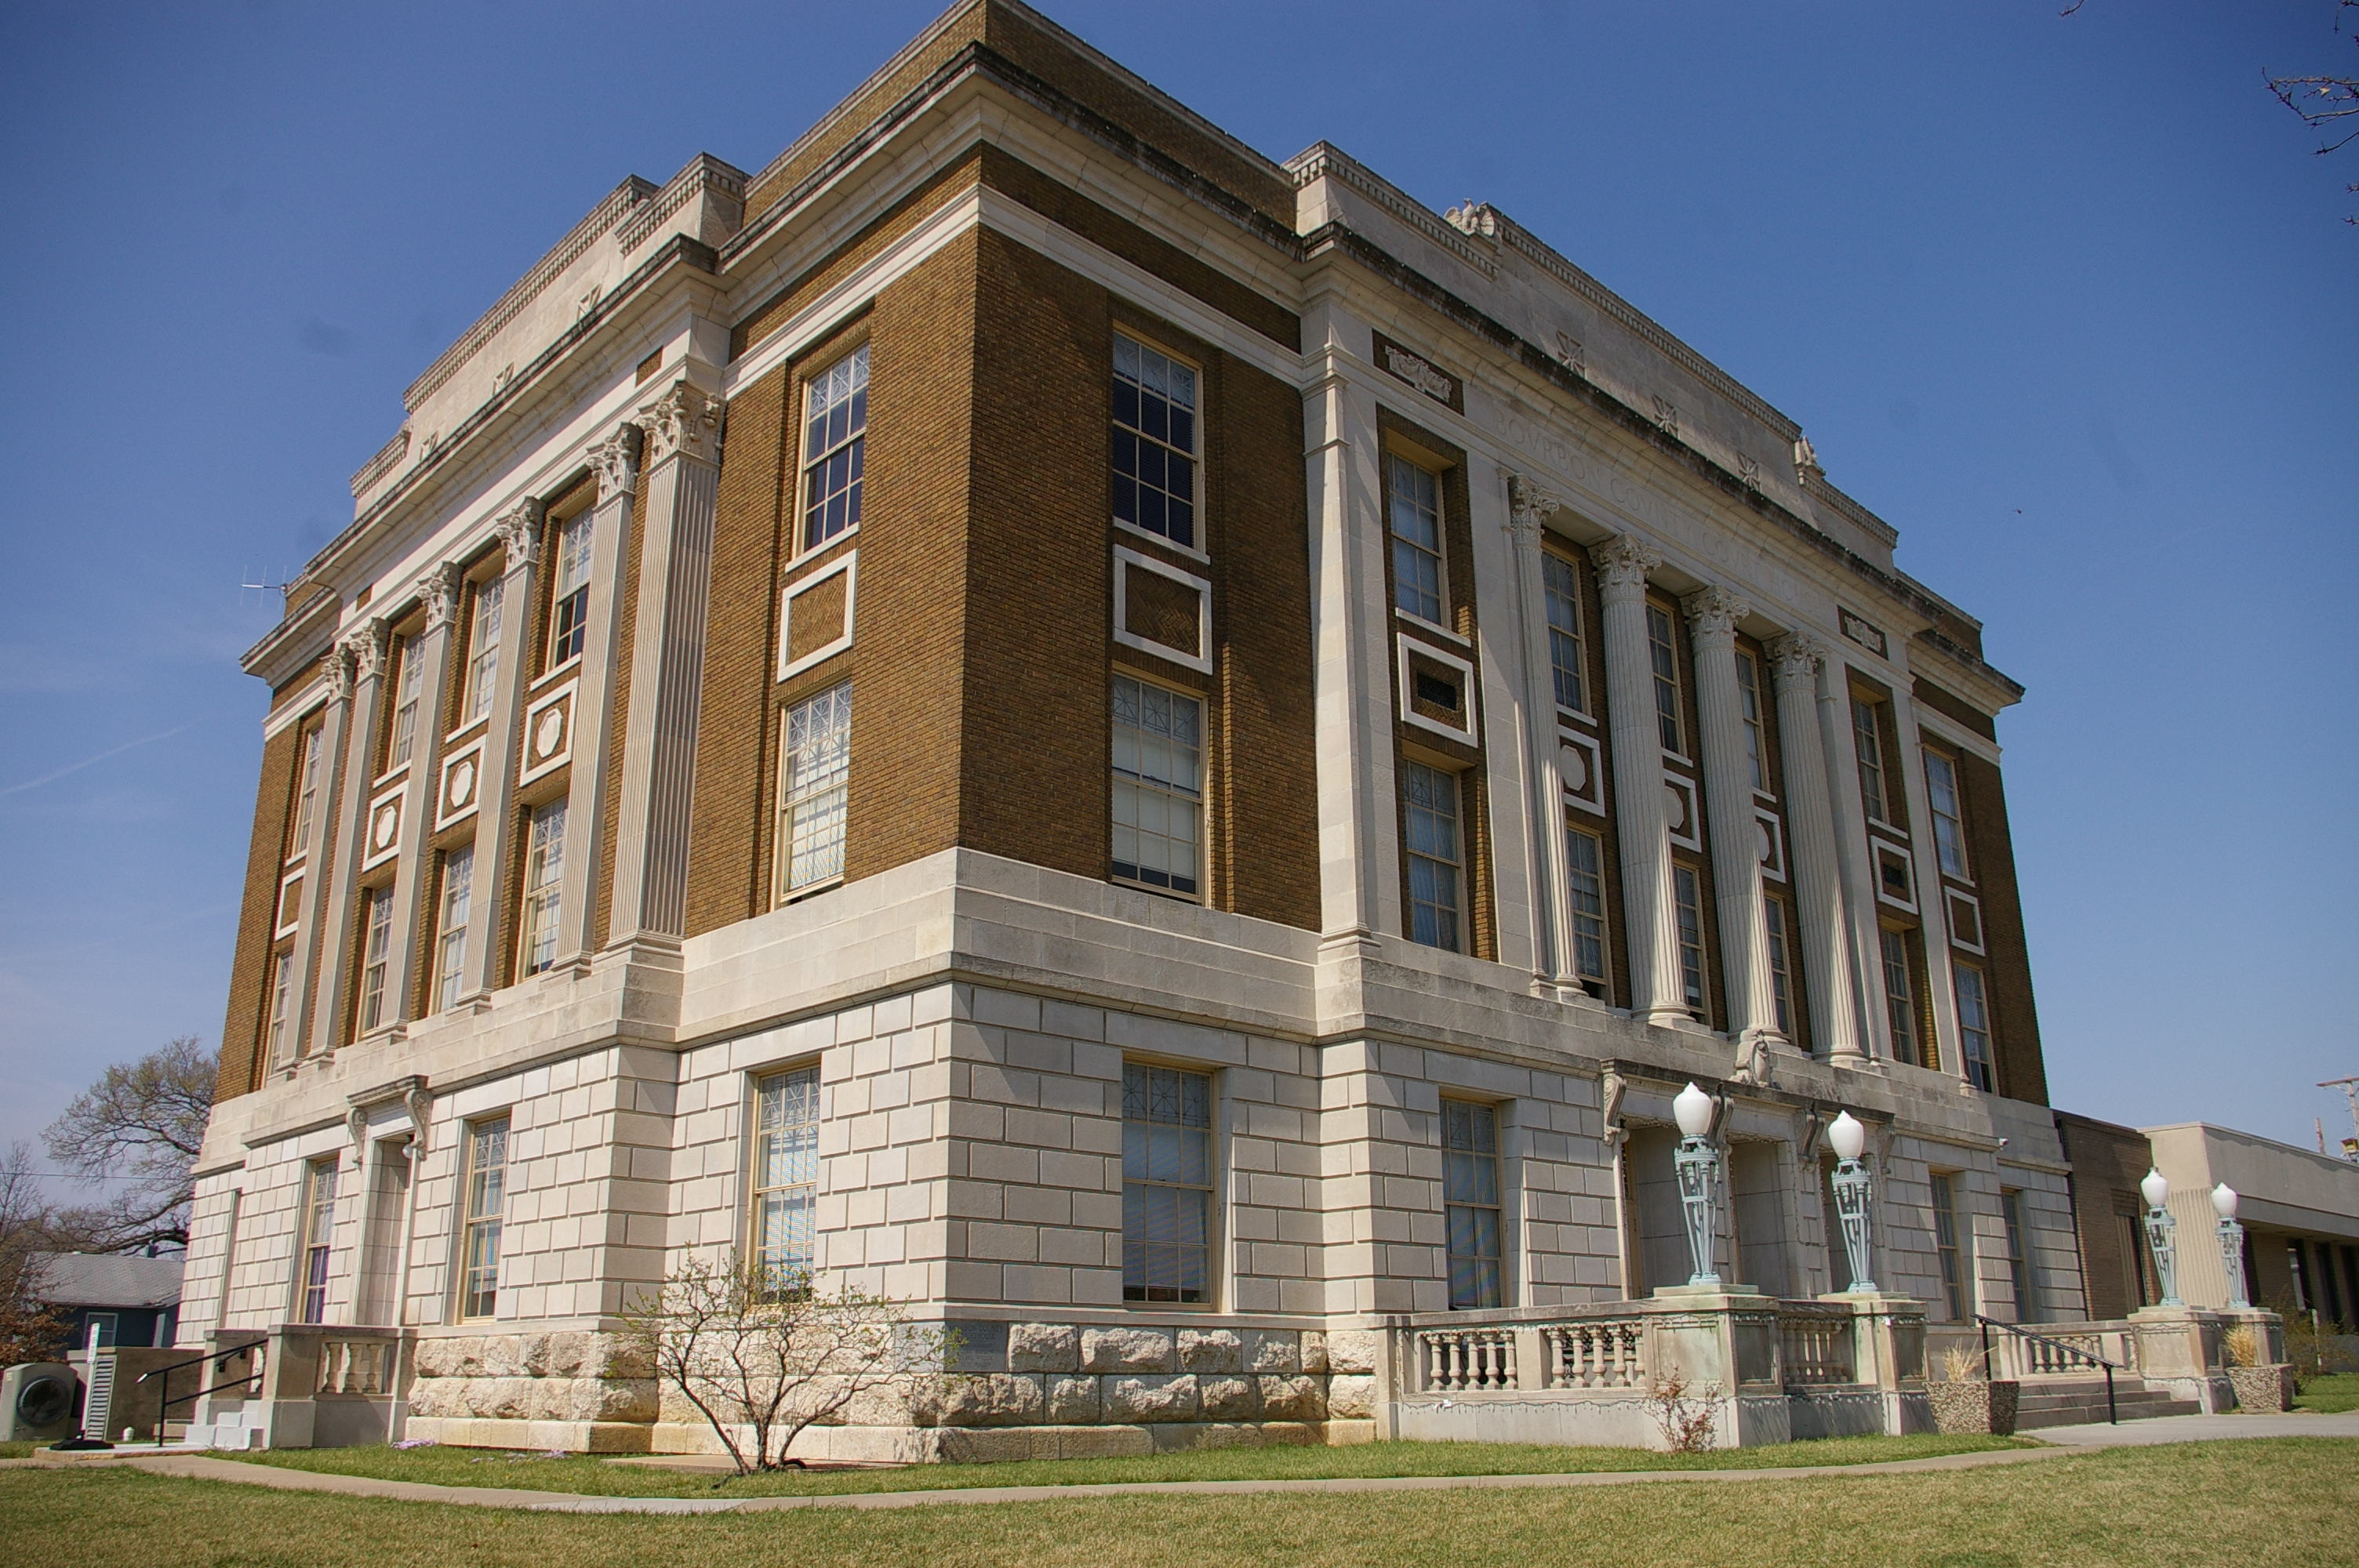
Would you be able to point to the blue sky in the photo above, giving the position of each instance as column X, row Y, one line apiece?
column 2066, row 299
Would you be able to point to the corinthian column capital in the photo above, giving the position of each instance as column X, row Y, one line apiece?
column 1623, row 564
column 519, row 532
column 683, row 421
column 1798, row 657
column 364, row 646
column 1712, row 613
column 1528, row 509
column 616, row 460
column 439, row 591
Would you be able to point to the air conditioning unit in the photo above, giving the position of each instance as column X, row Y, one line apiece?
column 40, row 1402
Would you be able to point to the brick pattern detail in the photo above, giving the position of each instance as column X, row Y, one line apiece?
column 817, row 617
column 242, row 1026
column 2108, row 1162
column 734, row 735
column 1163, row 611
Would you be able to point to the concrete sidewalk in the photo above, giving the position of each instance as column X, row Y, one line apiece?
column 2200, row 1428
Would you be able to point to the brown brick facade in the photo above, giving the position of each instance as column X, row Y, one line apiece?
column 2107, row 1164
column 2015, row 1018
column 242, row 1026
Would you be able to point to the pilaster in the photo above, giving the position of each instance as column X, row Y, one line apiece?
column 1643, row 830
column 1528, row 510
column 1712, row 615
column 332, row 938
column 683, row 423
column 616, row 460
column 439, row 591
column 1830, row 979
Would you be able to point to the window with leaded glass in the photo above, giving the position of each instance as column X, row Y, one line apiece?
column 814, row 774
column 1663, row 654
column 377, row 953
column 785, row 1176
column 451, row 928
column 1867, row 745
column 1430, row 798
column 1585, row 854
column 1560, row 581
column 1748, row 696
column 1414, row 509
column 307, row 792
column 484, row 650
column 568, row 609
column 485, row 1204
column 1949, row 1243
column 319, row 1239
column 278, row 1041
column 1154, row 442
column 1973, row 1026
column 544, row 886
column 1941, row 798
column 835, row 436
column 1779, row 923
column 1158, row 769
column 1167, row 1186
column 1687, row 904
column 1470, row 1194
column 408, row 682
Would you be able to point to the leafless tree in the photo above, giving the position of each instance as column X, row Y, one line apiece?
column 2325, row 102
column 140, row 1125
column 30, row 1331
column 762, row 1356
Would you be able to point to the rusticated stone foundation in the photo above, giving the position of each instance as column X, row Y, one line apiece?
column 569, row 1390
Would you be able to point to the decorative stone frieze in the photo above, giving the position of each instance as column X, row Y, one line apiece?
column 683, row 422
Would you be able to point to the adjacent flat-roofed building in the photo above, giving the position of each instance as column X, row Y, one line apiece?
column 1161, row 753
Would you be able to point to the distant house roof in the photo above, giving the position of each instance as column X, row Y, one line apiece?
column 108, row 1279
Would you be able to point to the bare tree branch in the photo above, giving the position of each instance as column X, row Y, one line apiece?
column 143, row 1120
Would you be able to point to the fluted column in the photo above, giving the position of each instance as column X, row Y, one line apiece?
column 1712, row 615
column 491, row 892
column 439, row 591
column 334, row 727
column 1830, row 975
column 1528, row 511
column 683, row 475
column 365, row 647
column 1852, row 856
column 1642, row 829
column 616, row 460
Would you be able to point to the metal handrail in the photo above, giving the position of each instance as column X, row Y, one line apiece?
column 2113, row 1411
column 163, row 1404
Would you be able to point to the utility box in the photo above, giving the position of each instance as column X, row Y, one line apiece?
column 40, row 1402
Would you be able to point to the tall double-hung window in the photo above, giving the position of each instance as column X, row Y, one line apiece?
column 544, row 886
column 485, row 1206
column 835, row 438
column 1429, row 809
column 282, row 980
column 408, row 682
column 1867, row 745
column 1414, row 509
column 569, row 609
column 1900, row 997
column 1585, row 855
column 1973, row 1026
column 1470, row 1192
column 451, row 928
column 1561, row 584
column 1158, row 789
column 1166, row 1184
column 785, row 1176
column 319, row 1239
column 484, row 650
column 1154, row 442
column 1949, row 1243
column 377, row 955
column 307, row 792
column 1748, row 696
column 1777, row 920
column 814, row 774
column 1663, row 654
column 1686, row 908
column 1943, row 797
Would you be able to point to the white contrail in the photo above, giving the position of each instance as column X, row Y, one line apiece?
column 93, row 761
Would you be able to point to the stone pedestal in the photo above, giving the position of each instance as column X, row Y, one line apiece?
column 2179, row 1349
column 1888, row 1348
column 1723, row 1342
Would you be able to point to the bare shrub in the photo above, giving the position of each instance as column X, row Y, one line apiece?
column 1688, row 1418
column 762, row 1354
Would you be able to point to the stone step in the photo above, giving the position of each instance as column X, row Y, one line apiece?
column 2082, row 1404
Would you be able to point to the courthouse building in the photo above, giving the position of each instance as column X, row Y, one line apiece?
column 1168, row 756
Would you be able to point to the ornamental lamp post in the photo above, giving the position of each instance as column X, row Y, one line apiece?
column 2232, row 1242
column 2162, row 1235
column 1848, row 1138
column 1698, row 1164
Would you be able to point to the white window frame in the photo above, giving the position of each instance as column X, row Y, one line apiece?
column 1951, row 844
column 377, row 956
column 1194, row 547
column 1900, row 1001
column 1469, row 734
column 543, row 892
column 785, row 1089
column 1567, row 637
column 1126, row 561
column 848, row 568
column 572, row 541
column 1868, row 741
column 823, row 794
column 1757, row 731
column 1777, row 922
column 275, row 1036
column 1667, row 685
column 1691, row 937
column 1596, row 926
column 1145, row 786
column 315, row 1258
column 1460, row 916
column 409, row 682
column 1397, row 541
column 310, row 744
column 852, row 444
column 451, row 926
column 482, row 1214
column 1479, row 1119
column 1954, row 1256
column 1977, row 1053
column 1144, row 1155
column 487, row 612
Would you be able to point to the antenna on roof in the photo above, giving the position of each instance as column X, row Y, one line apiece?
column 261, row 582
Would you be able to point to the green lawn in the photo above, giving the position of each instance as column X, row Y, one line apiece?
column 582, row 1473
column 2335, row 1392
column 17, row 1450
column 2287, row 1502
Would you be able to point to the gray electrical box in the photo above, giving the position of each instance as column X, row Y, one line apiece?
column 40, row 1402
